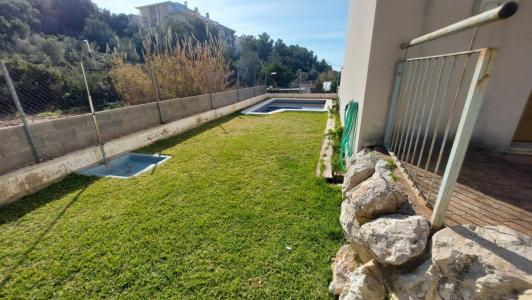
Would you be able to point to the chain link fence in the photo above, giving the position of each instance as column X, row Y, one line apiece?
column 47, row 93
column 48, row 111
column 52, row 92
column 42, row 95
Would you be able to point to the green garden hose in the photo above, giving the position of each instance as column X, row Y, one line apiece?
column 349, row 133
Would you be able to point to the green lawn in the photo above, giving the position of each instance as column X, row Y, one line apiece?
column 214, row 221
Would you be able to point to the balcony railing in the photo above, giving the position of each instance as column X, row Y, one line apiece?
column 434, row 106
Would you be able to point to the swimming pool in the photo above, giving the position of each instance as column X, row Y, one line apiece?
column 276, row 105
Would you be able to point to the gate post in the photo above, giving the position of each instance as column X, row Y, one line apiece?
column 210, row 87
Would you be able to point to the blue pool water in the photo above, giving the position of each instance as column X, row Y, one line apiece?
column 126, row 166
column 275, row 105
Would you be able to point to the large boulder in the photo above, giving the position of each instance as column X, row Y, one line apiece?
column 360, row 167
column 421, row 283
column 396, row 239
column 492, row 262
column 366, row 282
column 343, row 264
column 372, row 198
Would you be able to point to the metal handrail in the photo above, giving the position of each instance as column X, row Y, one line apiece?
column 444, row 55
column 498, row 13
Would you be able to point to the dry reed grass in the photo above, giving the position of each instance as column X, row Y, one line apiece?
column 181, row 68
column 132, row 83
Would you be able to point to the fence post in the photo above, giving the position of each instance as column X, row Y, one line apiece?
column 468, row 118
column 393, row 102
column 96, row 126
column 156, row 93
column 20, row 110
column 237, row 86
column 210, row 87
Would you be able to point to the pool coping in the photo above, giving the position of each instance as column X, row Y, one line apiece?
column 146, row 169
column 250, row 111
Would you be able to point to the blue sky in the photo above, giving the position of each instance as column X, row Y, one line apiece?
column 319, row 25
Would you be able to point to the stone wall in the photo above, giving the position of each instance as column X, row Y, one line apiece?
column 390, row 250
column 58, row 137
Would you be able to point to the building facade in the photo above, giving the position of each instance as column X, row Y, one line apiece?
column 157, row 14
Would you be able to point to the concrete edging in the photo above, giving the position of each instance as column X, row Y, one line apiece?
column 326, row 151
column 303, row 96
column 27, row 180
column 251, row 110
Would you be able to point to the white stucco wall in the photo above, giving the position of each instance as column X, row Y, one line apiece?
column 386, row 24
column 357, row 52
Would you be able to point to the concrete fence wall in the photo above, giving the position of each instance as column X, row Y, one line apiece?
column 176, row 109
column 260, row 90
column 126, row 120
column 247, row 93
column 62, row 136
column 52, row 139
column 224, row 99
column 15, row 152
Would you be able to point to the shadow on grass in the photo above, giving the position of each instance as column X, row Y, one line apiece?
column 79, row 184
column 160, row 146
column 73, row 182
column 14, row 211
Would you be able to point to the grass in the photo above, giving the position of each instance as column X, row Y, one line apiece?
column 215, row 221
column 336, row 138
column 390, row 165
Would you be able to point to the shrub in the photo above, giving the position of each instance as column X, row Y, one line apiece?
column 132, row 83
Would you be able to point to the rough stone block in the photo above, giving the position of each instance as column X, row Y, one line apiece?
column 366, row 282
column 396, row 239
column 372, row 198
column 343, row 264
column 361, row 168
column 492, row 262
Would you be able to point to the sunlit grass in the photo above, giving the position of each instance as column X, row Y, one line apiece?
column 214, row 221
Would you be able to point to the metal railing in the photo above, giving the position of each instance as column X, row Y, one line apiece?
column 434, row 106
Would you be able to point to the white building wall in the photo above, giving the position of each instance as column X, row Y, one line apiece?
column 357, row 52
column 369, row 79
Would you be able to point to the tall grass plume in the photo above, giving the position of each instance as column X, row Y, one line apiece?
column 180, row 67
